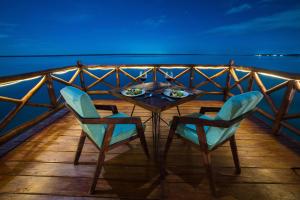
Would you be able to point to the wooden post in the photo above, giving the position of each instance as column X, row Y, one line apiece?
column 228, row 78
column 82, row 83
column 285, row 104
column 192, row 73
column 51, row 92
column 250, row 83
column 118, row 76
column 154, row 73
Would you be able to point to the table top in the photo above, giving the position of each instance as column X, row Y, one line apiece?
column 158, row 101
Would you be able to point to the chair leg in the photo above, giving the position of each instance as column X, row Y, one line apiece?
column 97, row 172
column 235, row 155
column 209, row 171
column 79, row 147
column 167, row 147
column 143, row 142
column 169, row 141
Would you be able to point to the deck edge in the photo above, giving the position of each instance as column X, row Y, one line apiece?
column 14, row 142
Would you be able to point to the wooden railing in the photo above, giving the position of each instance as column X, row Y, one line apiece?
column 236, row 79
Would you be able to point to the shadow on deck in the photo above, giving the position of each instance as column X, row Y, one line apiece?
column 42, row 168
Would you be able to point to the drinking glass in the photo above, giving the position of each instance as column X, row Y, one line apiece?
column 143, row 77
column 169, row 77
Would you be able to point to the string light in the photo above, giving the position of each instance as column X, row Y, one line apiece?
column 137, row 67
column 272, row 75
column 174, row 67
column 298, row 84
column 210, row 67
column 65, row 71
column 18, row 81
column 101, row 68
column 243, row 70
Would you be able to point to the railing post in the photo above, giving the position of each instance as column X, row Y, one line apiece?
column 154, row 73
column 284, row 107
column 118, row 76
column 251, row 81
column 51, row 92
column 228, row 79
column 82, row 83
column 192, row 73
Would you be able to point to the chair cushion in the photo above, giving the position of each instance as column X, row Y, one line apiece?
column 80, row 102
column 188, row 131
column 83, row 105
column 239, row 104
column 122, row 131
column 232, row 108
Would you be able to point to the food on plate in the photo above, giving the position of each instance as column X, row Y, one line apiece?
column 133, row 91
column 176, row 93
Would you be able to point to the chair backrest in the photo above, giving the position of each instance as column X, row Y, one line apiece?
column 81, row 103
column 232, row 108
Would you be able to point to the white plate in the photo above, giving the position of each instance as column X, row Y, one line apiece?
column 128, row 95
column 167, row 92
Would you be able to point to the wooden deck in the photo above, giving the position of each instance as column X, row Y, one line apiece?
column 42, row 168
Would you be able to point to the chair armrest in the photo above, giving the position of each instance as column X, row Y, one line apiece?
column 119, row 120
column 201, row 122
column 214, row 123
column 111, row 122
column 203, row 110
column 112, row 108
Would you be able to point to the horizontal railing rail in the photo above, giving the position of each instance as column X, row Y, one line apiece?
column 235, row 79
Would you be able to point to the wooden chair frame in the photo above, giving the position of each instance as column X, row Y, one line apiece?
column 111, row 122
column 206, row 153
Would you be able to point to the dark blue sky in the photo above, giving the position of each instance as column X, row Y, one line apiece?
column 153, row 26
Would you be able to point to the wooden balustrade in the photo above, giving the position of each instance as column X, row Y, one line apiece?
column 250, row 77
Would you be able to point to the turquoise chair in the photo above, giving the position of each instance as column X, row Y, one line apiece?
column 105, row 132
column 210, row 132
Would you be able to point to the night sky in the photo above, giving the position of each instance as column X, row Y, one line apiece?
column 153, row 26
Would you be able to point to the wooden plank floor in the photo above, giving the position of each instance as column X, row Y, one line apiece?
column 42, row 168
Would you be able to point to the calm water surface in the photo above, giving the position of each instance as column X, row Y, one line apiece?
column 17, row 65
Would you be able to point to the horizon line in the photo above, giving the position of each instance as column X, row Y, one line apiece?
column 141, row 54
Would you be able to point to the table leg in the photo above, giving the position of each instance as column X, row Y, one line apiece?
column 156, row 150
column 153, row 134
column 132, row 110
column 156, row 134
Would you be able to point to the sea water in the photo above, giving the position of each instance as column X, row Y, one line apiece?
column 17, row 65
